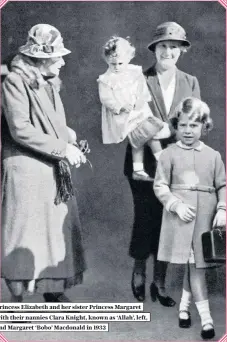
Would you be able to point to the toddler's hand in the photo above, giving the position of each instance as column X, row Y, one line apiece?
column 220, row 219
column 127, row 108
column 185, row 212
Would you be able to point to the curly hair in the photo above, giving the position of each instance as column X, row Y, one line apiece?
column 196, row 110
column 117, row 46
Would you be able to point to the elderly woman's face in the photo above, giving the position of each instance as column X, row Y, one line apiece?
column 167, row 53
column 52, row 66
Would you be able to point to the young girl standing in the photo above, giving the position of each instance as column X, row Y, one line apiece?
column 125, row 111
column 190, row 183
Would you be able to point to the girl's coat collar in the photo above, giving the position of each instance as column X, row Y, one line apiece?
column 185, row 147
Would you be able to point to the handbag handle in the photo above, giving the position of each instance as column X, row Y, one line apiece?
column 219, row 230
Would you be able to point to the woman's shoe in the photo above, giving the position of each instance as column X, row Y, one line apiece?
column 165, row 301
column 208, row 334
column 185, row 323
column 138, row 290
column 56, row 297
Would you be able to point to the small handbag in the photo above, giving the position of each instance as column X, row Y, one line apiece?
column 145, row 131
column 214, row 246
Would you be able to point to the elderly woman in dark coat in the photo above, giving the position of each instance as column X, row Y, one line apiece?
column 168, row 86
column 41, row 235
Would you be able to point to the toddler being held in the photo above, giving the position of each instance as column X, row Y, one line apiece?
column 125, row 96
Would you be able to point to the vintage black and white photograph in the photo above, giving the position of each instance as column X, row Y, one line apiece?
column 113, row 182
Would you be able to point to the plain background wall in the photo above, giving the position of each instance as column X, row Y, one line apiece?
column 103, row 192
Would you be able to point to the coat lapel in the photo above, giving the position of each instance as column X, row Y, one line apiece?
column 48, row 108
column 177, row 94
column 156, row 92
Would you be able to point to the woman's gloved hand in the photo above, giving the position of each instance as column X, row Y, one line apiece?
column 74, row 156
column 163, row 133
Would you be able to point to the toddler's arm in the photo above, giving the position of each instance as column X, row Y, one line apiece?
column 107, row 98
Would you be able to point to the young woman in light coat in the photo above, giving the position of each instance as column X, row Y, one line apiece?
column 41, row 235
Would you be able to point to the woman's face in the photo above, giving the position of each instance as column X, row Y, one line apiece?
column 52, row 66
column 188, row 130
column 167, row 53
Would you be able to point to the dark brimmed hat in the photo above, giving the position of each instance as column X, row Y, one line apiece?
column 169, row 31
column 44, row 41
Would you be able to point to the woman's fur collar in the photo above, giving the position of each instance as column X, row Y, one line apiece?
column 31, row 74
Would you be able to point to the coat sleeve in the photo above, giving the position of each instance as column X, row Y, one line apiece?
column 163, row 180
column 72, row 137
column 15, row 103
column 196, row 88
column 107, row 98
column 220, row 182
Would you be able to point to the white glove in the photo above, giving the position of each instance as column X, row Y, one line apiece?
column 74, row 156
column 163, row 133
column 219, row 219
column 185, row 212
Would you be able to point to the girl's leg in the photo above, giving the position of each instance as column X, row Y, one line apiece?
column 186, row 297
column 200, row 294
column 155, row 147
column 16, row 289
column 138, row 167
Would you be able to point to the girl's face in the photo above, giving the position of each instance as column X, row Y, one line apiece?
column 118, row 64
column 167, row 53
column 189, row 131
column 52, row 66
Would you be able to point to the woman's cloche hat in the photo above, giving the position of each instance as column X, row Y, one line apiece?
column 44, row 41
column 169, row 31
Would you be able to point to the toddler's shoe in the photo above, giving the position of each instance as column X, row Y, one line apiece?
column 141, row 176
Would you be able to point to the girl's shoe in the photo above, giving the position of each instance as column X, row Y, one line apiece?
column 141, row 176
column 164, row 300
column 185, row 323
column 207, row 334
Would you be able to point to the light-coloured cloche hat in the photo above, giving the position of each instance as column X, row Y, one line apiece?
column 44, row 41
column 169, row 31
